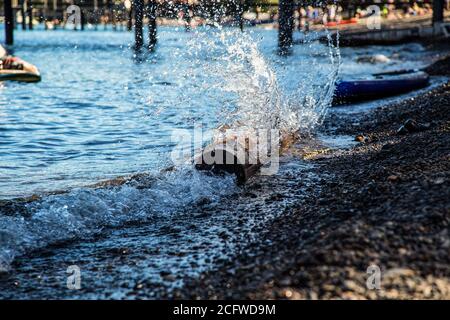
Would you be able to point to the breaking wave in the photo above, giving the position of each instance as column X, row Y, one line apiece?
column 85, row 212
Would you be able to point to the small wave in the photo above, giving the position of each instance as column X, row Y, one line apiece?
column 85, row 212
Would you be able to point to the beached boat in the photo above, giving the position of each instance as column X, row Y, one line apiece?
column 379, row 86
column 25, row 72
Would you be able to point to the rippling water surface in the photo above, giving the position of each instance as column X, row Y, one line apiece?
column 100, row 111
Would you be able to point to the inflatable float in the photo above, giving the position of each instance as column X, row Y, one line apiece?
column 379, row 86
column 20, row 71
column 16, row 69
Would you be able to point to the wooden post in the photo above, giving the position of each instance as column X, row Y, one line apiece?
column 286, row 26
column 300, row 17
column 113, row 21
column 138, row 18
column 82, row 19
column 22, row 13
column 45, row 14
column 240, row 14
column 129, row 14
column 113, row 16
column 130, row 19
column 151, row 15
column 187, row 16
column 438, row 11
column 9, row 22
column 96, row 19
column 30, row 16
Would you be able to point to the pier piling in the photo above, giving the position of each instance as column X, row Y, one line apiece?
column 151, row 15
column 130, row 18
column 138, row 20
column 82, row 19
column 438, row 11
column 240, row 14
column 23, row 15
column 286, row 26
column 30, row 16
column 187, row 16
column 9, row 22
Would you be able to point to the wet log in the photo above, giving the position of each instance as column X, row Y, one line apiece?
column 241, row 154
column 226, row 160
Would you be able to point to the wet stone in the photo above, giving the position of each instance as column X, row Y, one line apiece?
column 360, row 138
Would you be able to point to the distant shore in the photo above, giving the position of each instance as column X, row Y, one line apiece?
column 384, row 203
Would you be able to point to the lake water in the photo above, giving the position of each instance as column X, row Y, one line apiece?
column 100, row 111
column 103, row 111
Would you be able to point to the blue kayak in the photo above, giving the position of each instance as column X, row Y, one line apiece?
column 380, row 86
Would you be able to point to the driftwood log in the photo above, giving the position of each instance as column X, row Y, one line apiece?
column 235, row 153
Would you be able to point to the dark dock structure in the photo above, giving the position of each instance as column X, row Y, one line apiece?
column 9, row 22
column 136, row 14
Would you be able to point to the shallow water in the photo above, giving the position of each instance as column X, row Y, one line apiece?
column 148, row 259
column 100, row 111
column 91, row 116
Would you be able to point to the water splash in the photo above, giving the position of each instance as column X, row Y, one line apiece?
column 266, row 91
column 310, row 102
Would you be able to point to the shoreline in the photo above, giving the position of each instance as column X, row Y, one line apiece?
column 384, row 202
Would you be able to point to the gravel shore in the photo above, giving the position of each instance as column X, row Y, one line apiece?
column 384, row 203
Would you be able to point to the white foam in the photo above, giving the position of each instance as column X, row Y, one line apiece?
column 85, row 212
